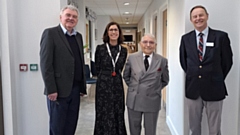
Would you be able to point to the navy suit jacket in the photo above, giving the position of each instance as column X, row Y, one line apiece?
column 57, row 62
column 206, row 78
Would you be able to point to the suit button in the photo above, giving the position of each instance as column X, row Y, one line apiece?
column 137, row 92
column 72, row 73
column 200, row 66
column 199, row 76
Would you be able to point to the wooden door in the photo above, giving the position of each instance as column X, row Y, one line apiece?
column 164, row 48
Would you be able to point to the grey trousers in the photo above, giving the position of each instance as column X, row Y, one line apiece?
column 213, row 111
column 135, row 122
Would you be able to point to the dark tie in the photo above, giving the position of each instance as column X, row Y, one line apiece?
column 146, row 62
column 200, row 46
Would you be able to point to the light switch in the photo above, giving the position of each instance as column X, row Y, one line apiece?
column 33, row 67
column 23, row 67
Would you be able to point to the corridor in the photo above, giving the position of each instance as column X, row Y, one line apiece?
column 87, row 117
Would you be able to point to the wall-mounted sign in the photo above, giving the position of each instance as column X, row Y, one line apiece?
column 33, row 67
column 23, row 67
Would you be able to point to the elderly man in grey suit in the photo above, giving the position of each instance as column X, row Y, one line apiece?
column 62, row 66
column 146, row 74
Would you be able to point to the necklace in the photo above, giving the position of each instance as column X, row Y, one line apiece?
column 113, row 61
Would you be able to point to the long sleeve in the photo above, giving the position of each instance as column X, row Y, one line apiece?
column 46, row 62
column 182, row 57
column 127, row 72
column 165, row 75
column 226, row 55
column 98, row 59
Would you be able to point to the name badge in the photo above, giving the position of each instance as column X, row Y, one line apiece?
column 210, row 44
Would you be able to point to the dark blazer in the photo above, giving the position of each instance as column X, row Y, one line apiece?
column 57, row 62
column 206, row 78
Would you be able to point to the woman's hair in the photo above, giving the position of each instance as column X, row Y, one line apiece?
column 106, row 37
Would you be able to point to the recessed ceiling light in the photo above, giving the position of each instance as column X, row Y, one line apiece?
column 127, row 22
column 127, row 13
column 126, row 3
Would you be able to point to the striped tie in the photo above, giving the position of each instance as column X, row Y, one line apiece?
column 200, row 46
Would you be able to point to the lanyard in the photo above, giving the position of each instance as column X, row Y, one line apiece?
column 114, row 62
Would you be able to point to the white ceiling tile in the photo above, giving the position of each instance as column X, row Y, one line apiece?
column 115, row 9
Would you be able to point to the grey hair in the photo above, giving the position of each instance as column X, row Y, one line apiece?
column 72, row 7
column 149, row 35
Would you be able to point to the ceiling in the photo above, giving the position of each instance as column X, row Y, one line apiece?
column 116, row 9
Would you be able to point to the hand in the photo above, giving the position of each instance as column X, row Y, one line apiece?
column 82, row 95
column 53, row 96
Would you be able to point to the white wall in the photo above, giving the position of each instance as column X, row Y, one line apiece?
column 26, row 28
column 93, row 40
column 100, row 25
column 155, row 9
column 81, row 20
column 146, row 20
column 175, row 106
column 238, row 74
column 5, row 67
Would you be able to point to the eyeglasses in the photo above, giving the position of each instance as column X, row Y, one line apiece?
column 148, row 42
column 113, row 30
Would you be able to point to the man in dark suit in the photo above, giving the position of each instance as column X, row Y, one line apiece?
column 146, row 74
column 206, row 58
column 62, row 66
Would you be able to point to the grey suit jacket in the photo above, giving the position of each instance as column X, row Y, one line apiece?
column 144, row 87
column 57, row 62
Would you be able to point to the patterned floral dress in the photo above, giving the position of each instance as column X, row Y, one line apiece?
column 110, row 104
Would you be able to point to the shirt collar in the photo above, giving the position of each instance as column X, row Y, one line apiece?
column 150, row 56
column 205, row 31
column 66, row 32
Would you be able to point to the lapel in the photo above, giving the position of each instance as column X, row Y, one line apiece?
column 193, row 45
column 152, row 67
column 63, row 37
column 154, row 64
column 210, row 38
column 140, row 61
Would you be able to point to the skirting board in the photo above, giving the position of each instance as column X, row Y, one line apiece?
column 171, row 127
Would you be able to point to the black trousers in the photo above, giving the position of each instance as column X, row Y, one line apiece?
column 64, row 113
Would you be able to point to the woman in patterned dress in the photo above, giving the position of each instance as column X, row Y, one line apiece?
column 110, row 59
